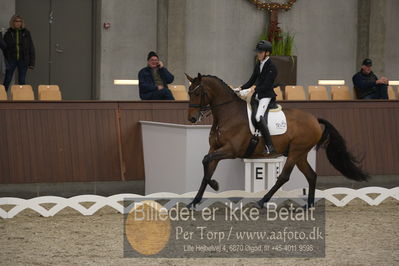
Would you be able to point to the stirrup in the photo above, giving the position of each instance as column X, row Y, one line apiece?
column 269, row 150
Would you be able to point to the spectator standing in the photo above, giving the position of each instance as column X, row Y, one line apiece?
column 19, row 51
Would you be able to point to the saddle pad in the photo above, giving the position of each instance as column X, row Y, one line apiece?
column 276, row 122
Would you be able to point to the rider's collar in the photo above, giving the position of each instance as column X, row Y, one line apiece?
column 264, row 61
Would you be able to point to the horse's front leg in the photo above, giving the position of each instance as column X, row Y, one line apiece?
column 209, row 162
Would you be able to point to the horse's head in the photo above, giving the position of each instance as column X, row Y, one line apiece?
column 199, row 100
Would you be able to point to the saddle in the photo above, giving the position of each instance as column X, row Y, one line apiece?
column 276, row 120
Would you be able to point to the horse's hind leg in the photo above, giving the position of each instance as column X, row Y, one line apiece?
column 310, row 175
column 282, row 178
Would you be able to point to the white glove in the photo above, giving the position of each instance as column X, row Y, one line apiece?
column 244, row 93
column 236, row 89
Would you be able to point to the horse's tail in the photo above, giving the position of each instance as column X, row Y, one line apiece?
column 338, row 154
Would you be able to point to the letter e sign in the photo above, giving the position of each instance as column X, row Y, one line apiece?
column 259, row 173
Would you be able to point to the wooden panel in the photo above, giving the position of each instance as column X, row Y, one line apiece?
column 59, row 145
column 369, row 128
column 132, row 142
column 90, row 141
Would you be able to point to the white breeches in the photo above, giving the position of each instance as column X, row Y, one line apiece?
column 263, row 103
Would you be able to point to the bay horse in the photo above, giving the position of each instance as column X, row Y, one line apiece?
column 230, row 136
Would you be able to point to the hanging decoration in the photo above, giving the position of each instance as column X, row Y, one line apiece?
column 274, row 31
column 273, row 6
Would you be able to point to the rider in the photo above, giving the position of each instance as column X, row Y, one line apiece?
column 263, row 77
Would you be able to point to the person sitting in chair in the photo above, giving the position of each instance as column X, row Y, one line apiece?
column 154, row 80
column 263, row 77
column 367, row 85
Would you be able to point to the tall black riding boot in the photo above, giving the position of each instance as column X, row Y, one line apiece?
column 266, row 135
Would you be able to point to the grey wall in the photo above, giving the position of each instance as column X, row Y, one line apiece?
column 220, row 38
column 7, row 9
column 377, row 34
column 325, row 39
column 177, row 49
column 391, row 40
column 124, row 47
column 217, row 37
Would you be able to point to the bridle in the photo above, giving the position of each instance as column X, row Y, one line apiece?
column 204, row 108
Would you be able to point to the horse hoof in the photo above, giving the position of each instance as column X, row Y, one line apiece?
column 192, row 205
column 254, row 204
column 260, row 204
column 307, row 207
column 214, row 184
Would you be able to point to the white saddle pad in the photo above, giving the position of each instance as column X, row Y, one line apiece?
column 276, row 122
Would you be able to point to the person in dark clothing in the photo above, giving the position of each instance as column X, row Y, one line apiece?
column 263, row 77
column 19, row 51
column 367, row 85
column 154, row 80
column 2, row 60
column 3, row 44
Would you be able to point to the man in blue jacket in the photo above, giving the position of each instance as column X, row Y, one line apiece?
column 367, row 85
column 154, row 80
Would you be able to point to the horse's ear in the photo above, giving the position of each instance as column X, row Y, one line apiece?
column 199, row 76
column 189, row 78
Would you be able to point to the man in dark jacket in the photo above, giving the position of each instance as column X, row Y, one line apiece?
column 3, row 44
column 2, row 59
column 154, row 80
column 263, row 77
column 19, row 51
column 367, row 85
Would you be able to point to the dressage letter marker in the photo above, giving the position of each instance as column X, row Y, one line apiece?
column 259, row 177
column 261, row 174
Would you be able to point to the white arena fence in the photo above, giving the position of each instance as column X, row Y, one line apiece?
column 17, row 205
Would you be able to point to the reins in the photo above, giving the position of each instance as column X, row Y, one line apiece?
column 208, row 107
